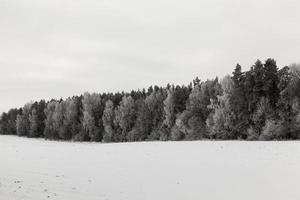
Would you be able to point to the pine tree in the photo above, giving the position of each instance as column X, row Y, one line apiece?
column 271, row 82
column 4, row 124
column 258, row 87
column 239, row 102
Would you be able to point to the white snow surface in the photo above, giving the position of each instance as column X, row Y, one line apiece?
column 37, row 169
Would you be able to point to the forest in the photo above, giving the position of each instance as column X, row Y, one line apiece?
column 262, row 103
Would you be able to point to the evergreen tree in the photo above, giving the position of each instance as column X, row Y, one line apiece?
column 258, row 87
column 4, row 124
column 238, row 102
column 271, row 82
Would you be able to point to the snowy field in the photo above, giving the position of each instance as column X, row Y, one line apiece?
column 36, row 169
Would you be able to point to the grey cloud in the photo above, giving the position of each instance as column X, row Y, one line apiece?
column 57, row 48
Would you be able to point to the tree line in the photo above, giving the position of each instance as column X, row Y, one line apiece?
column 262, row 103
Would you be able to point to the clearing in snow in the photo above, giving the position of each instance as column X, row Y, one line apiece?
column 37, row 169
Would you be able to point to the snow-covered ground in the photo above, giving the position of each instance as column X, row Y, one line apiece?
column 38, row 169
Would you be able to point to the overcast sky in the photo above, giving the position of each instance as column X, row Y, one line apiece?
column 59, row 48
